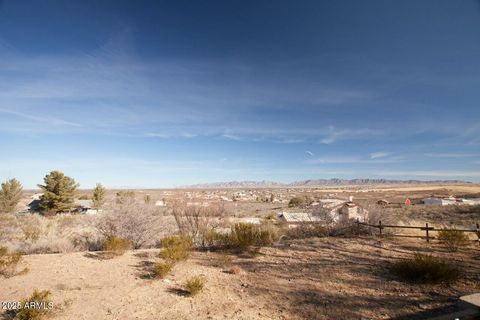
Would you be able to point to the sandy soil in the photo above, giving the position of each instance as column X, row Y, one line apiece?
column 327, row 278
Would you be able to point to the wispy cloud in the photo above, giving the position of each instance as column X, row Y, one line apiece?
column 310, row 153
column 334, row 134
column 380, row 154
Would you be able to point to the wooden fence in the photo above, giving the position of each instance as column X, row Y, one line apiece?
column 428, row 229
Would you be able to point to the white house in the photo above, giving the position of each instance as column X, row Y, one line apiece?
column 432, row 201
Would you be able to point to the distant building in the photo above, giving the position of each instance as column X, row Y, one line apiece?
column 159, row 203
column 85, row 207
column 297, row 217
column 351, row 211
column 433, row 201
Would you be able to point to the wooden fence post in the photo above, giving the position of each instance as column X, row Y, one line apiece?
column 380, row 226
column 426, row 230
column 478, row 233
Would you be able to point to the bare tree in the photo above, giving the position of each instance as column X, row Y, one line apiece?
column 195, row 220
column 325, row 216
column 130, row 220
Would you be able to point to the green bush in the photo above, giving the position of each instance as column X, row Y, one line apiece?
column 161, row 269
column 195, row 285
column 9, row 263
column 296, row 201
column 28, row 312
column 116, row 246
column 452, row 239
column 426, row 269
column 176, row 248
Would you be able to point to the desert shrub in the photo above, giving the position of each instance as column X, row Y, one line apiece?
column 452, row 239
column 305, row 230
column 296, row 201
column 127, row 219
column 161, row 269
column 245, row 235
column 213, row 239
column 43, row 305
column 9, row 263
column 175, row 248
column 116, row 246
column 196, row 221
column 194, row 285
column 84, row 197
column 425, row 269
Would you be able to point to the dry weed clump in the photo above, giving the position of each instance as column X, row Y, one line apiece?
column 9, row 263
column 161, row 269
column 116, row 246
column 452, row 239
column 304, row 231
column 195, row 285
column 35, row 307
column 426, row 269
column 175, row 248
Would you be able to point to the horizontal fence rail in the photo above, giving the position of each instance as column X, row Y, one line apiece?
column 425, row 228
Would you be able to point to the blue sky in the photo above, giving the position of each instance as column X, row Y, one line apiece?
column 169, row 93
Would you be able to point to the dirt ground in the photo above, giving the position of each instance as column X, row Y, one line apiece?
column 318, row 278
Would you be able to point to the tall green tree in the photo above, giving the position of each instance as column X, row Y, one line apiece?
column 58, row 193
column 10, row 195
column 98, row 196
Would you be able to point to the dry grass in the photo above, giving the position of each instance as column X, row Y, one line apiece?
column 26, row 312
column 195, row 285
column 161, row 269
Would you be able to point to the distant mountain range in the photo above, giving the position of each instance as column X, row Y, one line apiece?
column 316, row 182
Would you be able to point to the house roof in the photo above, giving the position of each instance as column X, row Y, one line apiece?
column 84, row 203
column 297, row 216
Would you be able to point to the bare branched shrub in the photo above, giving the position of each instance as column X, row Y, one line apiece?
column 196, row 221
column 136, row 222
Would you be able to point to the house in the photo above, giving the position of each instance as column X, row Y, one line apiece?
column 85, row 207
column 383, row 202
column 432, row 201
column 351, row 211
column 297, row 217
